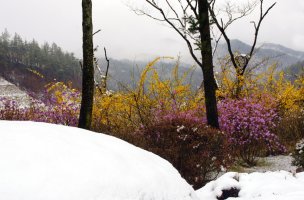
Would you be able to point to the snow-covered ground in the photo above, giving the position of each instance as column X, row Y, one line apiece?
column 280, row 185
column 41, row 161
column 273, row 163
column 12, row 92
column 50, row 162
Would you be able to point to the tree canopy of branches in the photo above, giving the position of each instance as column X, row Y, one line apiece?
column 239, row 61
column 193, row 20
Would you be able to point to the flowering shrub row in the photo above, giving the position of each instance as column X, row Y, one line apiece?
column 59, row 106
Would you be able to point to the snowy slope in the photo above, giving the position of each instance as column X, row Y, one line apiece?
column 12, row 92
column 280, row 185
column 50, row 162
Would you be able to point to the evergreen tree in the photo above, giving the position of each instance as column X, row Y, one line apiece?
column 48, row 60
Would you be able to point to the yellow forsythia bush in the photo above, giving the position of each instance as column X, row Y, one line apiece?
column 123, row 112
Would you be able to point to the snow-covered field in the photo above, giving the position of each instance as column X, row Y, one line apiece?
column 50, row 162
column 41, row 161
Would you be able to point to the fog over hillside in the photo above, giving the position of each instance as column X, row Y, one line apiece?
column 273, row 53
column 121, row 70
column 126, row 72
column 137, row 37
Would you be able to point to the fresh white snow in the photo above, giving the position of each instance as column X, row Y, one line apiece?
column 279, row 185
column 41, row 161
column 3, row 82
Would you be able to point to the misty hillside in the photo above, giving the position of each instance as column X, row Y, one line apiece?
column 31, row 66
column 287, row 59
column 274, row 53
column 126, row 73
column 295, row 71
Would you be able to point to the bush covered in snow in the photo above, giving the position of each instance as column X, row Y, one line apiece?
column 298, row 154
column 197, row 151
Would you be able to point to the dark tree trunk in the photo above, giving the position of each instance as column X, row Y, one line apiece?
column 85, row 117
column 239, row 85
column 207, row 65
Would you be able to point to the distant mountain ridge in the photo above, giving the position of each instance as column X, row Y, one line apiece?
column 18, row 65
column 127, row 73
column 276, row 53
column 121, row 70
column 283, row 49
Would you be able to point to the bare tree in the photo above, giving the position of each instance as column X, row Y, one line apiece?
column 86, row 109
column 193, row 20
column 239, row 61
column 190, row 19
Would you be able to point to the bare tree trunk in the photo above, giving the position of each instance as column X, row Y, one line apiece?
column 86, row 109
column 193, row 20
column 207, row 65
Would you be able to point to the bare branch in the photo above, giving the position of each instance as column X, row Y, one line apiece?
column 217, row 40
column 193, row 8
column 81, row 65
column 222, row 30
column 107, row 70
column 140, row 12
column 96, row 32
column 178, row 30
column 176, row 14
column 257, row 27
column 230, row 10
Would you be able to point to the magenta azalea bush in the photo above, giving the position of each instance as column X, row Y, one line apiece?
column 197, row 151
column 49, row 110
column 248, row 124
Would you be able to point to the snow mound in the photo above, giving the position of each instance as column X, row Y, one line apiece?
column 52, row 162
column 280, row 185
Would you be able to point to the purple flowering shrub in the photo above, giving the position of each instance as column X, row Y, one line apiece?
column 57, row 108
column 197, row 151
column 11, row 110
column 62, row 104
column 249, row 124
column 49, row 114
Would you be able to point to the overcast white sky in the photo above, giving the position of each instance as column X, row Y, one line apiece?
column 127, row 35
